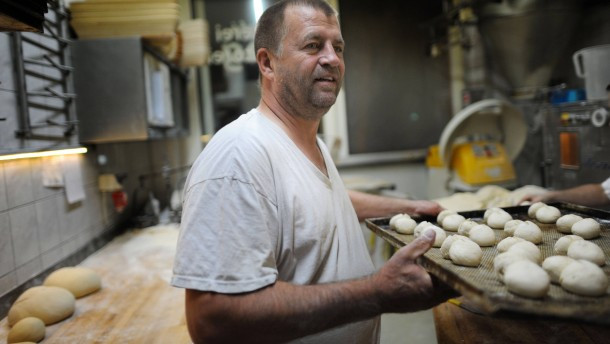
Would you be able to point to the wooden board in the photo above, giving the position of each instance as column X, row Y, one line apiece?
column 136, row 303
column 484, row 287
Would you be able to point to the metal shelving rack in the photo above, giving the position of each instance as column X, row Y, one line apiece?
column 55, row 28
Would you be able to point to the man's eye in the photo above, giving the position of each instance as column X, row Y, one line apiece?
column 311, row 46
column 339, row 49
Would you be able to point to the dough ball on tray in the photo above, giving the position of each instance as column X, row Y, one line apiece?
column 527, row 279
column 562, row 244
column 587, row 228
column 584, row 278
column 564, row 223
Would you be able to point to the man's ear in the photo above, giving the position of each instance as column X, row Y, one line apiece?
column 265, row 64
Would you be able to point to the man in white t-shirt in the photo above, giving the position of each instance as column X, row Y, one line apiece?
column 590, row 195
column 270, row 248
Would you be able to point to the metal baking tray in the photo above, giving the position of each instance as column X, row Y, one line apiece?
column 483, row 287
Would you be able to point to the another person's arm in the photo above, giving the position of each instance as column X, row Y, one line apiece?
column 284, row 311
column 368, row 205
column 590, row 195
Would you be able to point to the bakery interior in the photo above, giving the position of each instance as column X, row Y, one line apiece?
column 105, row 104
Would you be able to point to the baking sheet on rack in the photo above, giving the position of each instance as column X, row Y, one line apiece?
column 483, row 286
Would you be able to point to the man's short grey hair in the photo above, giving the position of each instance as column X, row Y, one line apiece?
column 270, row 29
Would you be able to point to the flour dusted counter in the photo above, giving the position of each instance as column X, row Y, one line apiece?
column 136, row 303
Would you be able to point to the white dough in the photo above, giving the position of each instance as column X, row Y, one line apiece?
column 564, row 223
column 396, row 217
column 510, row 226
column 529, row 231
column 583, row 249
column 441, row 216
column 562, row 244
column 440, row 235
column 506, row 243
column 531, row 211
column 490, row 211
column 527, row 249
column 586, row 228
column 465, row 252
column 451, row 222
column 49, row 304
column 504, row 259
column 548, row 214
column 420, row 227
column 80, row 281
column 28, row 329
column 405, row 225
column 498, row 219
column 554, row 265
column 465, row 227
column 482, row 235
column 448, row 242
column 526, row 279
column 584, row 278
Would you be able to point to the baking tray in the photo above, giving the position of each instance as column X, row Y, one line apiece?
column 483, row 287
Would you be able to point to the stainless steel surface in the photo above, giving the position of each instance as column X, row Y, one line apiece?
column 525, row 38
column 112, row 95
column 593, row 151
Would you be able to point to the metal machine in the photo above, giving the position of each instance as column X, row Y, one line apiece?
column 576, row 144
column 477, row 147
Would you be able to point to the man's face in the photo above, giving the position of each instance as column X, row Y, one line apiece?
column 310, row 68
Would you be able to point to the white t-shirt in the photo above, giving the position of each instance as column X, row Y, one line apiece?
column 257, row 210
column 606, row 187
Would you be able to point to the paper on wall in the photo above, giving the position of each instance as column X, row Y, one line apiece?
column 73, row 179
column 52, row 174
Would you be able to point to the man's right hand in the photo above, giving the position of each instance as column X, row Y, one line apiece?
column 405, row 286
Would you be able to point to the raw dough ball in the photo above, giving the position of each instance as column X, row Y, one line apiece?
column 49, row 304
column 28, row 329
column 502, row 260
column 586, row 228
column 548, row 214
column 506, row 243
column 465, row 227
column 441, row 216
column 405, row 225
column 451, row 222
column 510, row 226
column 554, row 265
column 582, row 249
column 529, row 231
column 79, row 281
column 482, row 235
column 448, row 242
column 440, row 235
column 498, row 219
column 531, row 211
column 584, row 278
column 490, row 211
column 564, row 223
column 526, row 279
column 562, row 244
column 465, row 252
column 396, row 217
column 528, row 250
column 420, row 227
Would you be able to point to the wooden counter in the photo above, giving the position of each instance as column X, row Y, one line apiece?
column 136, row 303
column 457, row 325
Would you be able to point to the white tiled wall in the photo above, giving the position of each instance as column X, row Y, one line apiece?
column 38, row 227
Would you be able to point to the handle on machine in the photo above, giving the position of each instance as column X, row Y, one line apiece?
column 578, row 65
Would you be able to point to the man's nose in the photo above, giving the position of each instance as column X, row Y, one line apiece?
column 329, row 56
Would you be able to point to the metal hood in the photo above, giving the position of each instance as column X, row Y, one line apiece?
column 523, row 39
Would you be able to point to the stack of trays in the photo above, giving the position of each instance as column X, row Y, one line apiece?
column 194, row 43
column 121, row 18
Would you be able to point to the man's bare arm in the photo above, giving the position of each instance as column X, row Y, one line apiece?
column 589, row 195
column 367, row 205
column 284, row 311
